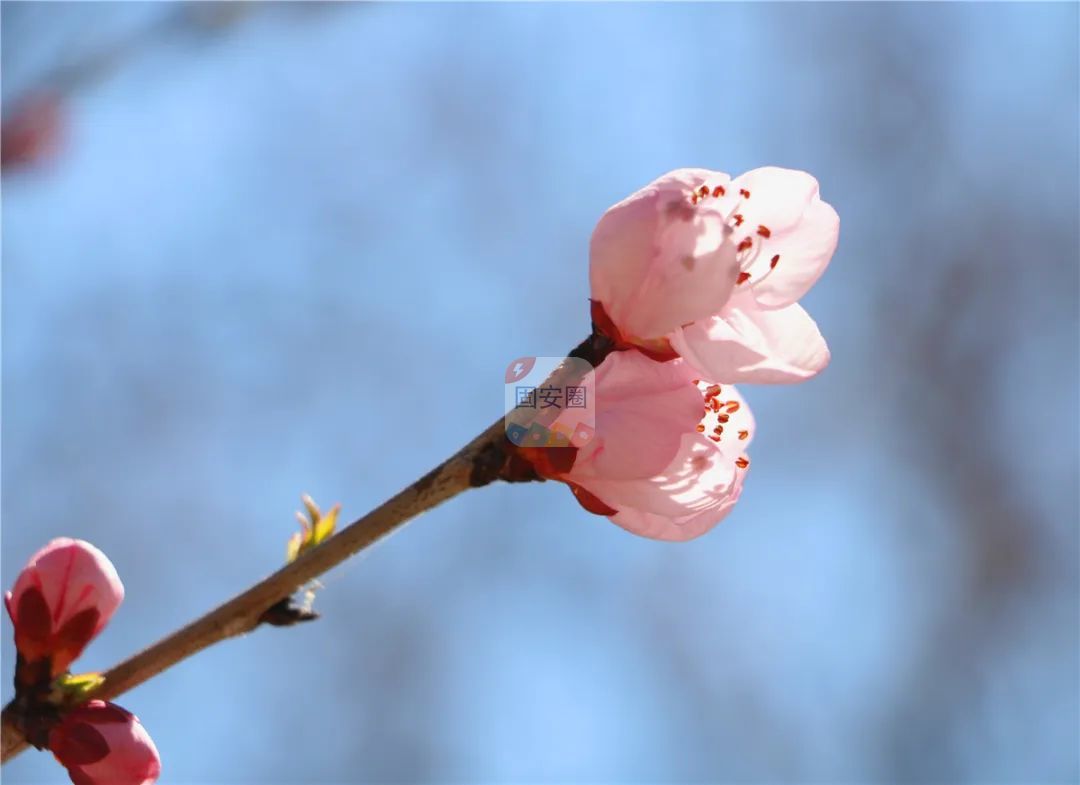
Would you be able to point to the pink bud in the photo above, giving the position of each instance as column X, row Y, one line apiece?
column 62, row 599
column 102, row 744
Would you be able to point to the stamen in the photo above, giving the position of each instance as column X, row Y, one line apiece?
column 764, row 231
column 718, row 191
column 741, row 462
column 703, row 191
column 745, row 193
column 774, row 261
column 723, row 418
column 732, row 407
column 743, row 278
column 701, row 427
column 744, row 435
column 714, row 438
column 738, row 219
column 745, row 244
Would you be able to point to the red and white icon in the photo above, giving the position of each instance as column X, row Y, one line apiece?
column 583, row 434
column 519, row 369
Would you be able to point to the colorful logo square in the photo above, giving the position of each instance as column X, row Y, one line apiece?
column 560, row 435
column 516, row 434
column 537, row 436
column 583, row 434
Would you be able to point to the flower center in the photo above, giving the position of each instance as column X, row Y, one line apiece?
column 755, row 261
column 717, row 415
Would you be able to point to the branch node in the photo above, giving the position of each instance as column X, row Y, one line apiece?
column 286, row 613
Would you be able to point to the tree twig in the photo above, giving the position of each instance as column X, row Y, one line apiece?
column 482, row 461
column 476, row 464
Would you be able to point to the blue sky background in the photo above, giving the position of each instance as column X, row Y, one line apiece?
column 289, row 249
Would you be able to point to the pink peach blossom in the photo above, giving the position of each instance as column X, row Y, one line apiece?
column 668, row 457
column 708, row 268
column 101, row 743
column 61, row 600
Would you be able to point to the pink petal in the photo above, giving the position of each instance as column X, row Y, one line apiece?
column 662, row 257
column 802, row 231
column 33, row 626
column 642, row 409
column 693, row 494
column 102, row 744
column 679, row 529
column 78, row 744
column 777, row 195
column 748, row 344
column 696, row 489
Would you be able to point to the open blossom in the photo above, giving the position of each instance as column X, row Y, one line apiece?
column 61, row 600
column 100, row 743
column 711, row 269
column 668, row 457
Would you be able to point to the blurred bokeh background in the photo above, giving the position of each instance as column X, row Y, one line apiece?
column 256, row 250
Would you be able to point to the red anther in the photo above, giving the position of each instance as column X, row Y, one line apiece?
column 714, row 437
column 700, row 428
column 703, row 191
column 764, row 231
column 745, row 244
column 774, row 261
column 738, row 219
column 719, row 429
column 745, row 193
column 723, row 418
column 744, row 435
column 718, row 190
column 714, row 404
column 712, row 391
column 693, row 199
column 741, row 462
column 732, row 407
column 743, row 278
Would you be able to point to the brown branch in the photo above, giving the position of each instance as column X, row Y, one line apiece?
column 484, row 460
column 476, row 464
